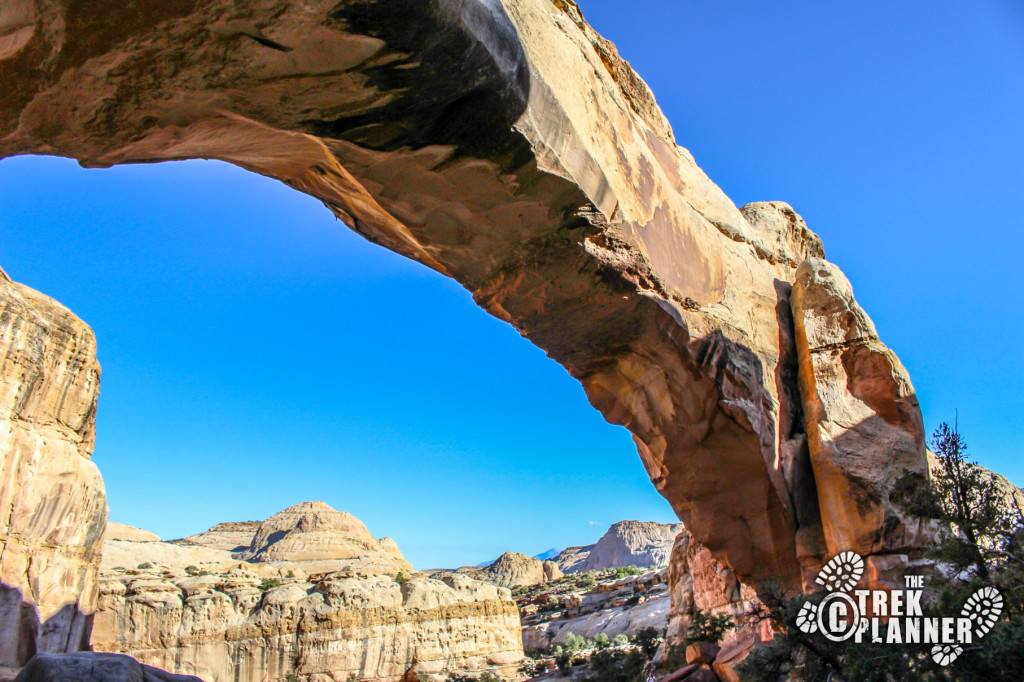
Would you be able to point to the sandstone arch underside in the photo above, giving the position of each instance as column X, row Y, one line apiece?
column 507, row 145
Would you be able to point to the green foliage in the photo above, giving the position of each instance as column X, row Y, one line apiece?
column 648, row 640
column 401, row 579
column 601, row 641
column 194, row 571
column 620, row 640
column 144, row 565
column 574, row 643
column 623, row 571
column 613, row 665
column 269, row 584
column 586, row 581
column 705, row 628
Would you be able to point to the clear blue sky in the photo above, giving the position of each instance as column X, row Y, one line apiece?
column 256, row 353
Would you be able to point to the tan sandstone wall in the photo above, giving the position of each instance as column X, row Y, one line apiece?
column 52, row 499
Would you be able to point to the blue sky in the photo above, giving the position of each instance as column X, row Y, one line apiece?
column 256, row 353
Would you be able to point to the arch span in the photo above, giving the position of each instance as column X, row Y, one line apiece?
column 506, row 145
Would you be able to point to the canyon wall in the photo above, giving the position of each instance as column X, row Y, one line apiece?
column 507, row 145
column 314, row 596
column 52, row 500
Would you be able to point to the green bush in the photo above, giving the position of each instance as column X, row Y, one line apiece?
column 269, row 584
column 144, row 565
column 704, row 628
column 648, row 640
column 612, row 665
column 601, row 641
column 401, row 579
column 620, row 640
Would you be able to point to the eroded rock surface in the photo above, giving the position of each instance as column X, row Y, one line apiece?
column 626, row 543
column 513, row 569
column 321, row 612
column 53, row 507
column 507, row 145
column 864, row 424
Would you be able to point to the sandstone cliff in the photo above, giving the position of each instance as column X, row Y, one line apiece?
column 233, row 536
column 52, row 500
column 626, row 543
column 508, row 145
column 317, row 598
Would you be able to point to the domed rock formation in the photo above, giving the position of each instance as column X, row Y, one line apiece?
column 512, row 569
column 626, row 543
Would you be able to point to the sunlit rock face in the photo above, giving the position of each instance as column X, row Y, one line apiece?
column 507, row 145
column 318, row 598
column 52, row 500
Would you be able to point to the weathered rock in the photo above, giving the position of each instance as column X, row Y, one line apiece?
column 512, row 569
column 733, row 653
column 699, row 582
column 614, row 606
column 507, row 145
column 52, row 499
column 626, row 543
column 94, row 667
column 233, row 536
column 121, row 532
column 330, row 611
column 702, row 652
column 865, row 430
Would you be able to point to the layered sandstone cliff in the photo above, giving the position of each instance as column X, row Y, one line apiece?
column 52, row 504
column 626, row 543
column 316, row 598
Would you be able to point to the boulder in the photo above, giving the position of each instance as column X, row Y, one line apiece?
column 94, row 667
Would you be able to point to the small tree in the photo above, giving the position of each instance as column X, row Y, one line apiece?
column 648, row 640
column 705, row 628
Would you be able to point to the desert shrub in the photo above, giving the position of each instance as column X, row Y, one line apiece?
column 574, row 643
column 401, row 579
column 620, row 640
column 612, row 665
column 144, row 565
column 601, row 641
column 623, row 571
column 269, row 584
column 586, row 581
column 648, row 640
column 705, row 628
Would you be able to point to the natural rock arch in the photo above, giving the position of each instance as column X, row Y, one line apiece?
column 507, row 145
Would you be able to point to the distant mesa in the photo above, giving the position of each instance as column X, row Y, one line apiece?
column 549, row 554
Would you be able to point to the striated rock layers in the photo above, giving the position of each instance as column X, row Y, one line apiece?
column 506, row 144
column 52, row 501
column 626, row 543
column 319, row 599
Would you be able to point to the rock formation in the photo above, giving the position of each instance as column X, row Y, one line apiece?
column 626, row 543
column 614, row 606
column 233, row 536
column 512, row 569
column 53, row 504
column 123, row 533
column 507, row 145
column 318, row 598
column 864, row 424
column 94, row 667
